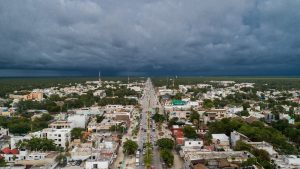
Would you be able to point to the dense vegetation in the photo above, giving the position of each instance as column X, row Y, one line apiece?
column 77, row 133
column 9, row 85
column 256, row 131
column 289, row 130
column 23, row 125
column 280, row 83
column 166, row 146
column 38, row 144
column 261, row 156
column 130, row 147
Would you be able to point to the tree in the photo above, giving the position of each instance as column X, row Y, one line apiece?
column 61, row 159
column 208, row 104
column 158, row 118
column 41, row 122
column 249, row 162
column 37, row 144
column 130, row 147
column 99, row 118
column 246, row 105
column 2, row 162
column 76, row 133
column 167, row 157
column 189, row 132
column 174, row 121
column 19, row 125
column 194, row 116
column 244, row 113
column 165, row 143
column 118, row 128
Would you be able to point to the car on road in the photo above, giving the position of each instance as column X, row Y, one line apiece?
column 137, row 161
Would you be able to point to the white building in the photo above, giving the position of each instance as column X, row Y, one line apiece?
column 286, row 161
column 3, row 132
column 60, row 136
column 99, row 93
column 89, row 111
column 193, row 143
column 221, row 141
column 96, row 164
column 78, row 120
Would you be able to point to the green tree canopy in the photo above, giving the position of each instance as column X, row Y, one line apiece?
column 37, row 144
column 130, row 147
column 158, row 117
column 76, row 133
column 165, row 143
column 167, row 157
column 189, row 132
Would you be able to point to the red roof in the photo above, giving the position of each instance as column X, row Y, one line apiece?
column 14, row 151
column 6, row 150
column 180, row 141
column 179, row 134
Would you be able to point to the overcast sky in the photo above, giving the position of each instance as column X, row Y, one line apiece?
column 149, row 37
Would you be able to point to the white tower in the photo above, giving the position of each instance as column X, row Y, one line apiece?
column 99, row 78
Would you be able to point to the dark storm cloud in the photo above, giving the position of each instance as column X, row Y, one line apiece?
column 158, row 36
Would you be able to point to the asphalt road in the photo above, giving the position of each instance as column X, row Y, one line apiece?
column 149, row 102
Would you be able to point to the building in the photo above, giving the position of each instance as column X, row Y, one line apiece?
column 99, row 93
column 221, row 141
column 193, row 143
column 286, row 161
column 236, row 136
column 96, row 164
column 78, row 120
column 212, row 158
column 61, row 137
column 34, row 96
column 3, row 132
column 177, row 133
column 60, row 124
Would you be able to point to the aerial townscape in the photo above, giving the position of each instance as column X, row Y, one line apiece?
column 159, row 123
column 149, row 84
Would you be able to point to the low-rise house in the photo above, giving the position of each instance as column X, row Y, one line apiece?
column 11, row 155
column 181, row 115
column 221, row 141
column 286, row 117
column 211, row 158
column 177, row 133
column 39, row 160
column 3, row 132
column 89, row 111
column 78, row 120
column 60, row 124
column 214, row 114
column 286, row 161
column 236, row 136
column 99, row 93
column 193, row 143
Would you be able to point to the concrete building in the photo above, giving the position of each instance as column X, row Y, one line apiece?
column 193, row 143
column 78, row 120
column 96, row 164
column 221, row 141
column 60, row 124
column 61, row 137
column 99, row 93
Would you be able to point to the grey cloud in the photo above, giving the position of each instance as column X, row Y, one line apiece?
column 160, row 36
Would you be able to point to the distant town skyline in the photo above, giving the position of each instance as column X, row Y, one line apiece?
column 144, row 38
